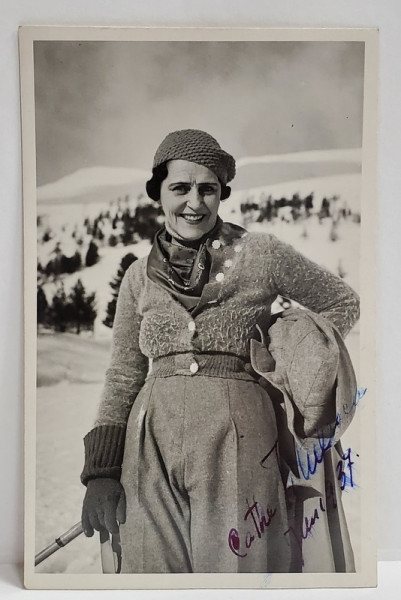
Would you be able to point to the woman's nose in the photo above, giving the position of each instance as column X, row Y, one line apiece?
column 194, row 198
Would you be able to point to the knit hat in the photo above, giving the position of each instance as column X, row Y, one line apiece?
column 198, row 147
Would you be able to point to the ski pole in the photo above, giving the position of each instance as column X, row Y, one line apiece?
column 59, row 542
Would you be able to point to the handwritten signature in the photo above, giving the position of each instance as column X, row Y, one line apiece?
column 344, row 469
column 306, row 527
column 308, row 465
column 358, row 397
column 260, row 521
column 308, row 461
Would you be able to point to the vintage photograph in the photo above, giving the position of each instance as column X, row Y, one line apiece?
column 194, row 207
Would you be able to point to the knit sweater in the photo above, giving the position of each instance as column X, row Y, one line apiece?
column 248, row 272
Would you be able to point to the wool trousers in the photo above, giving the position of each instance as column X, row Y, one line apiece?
column 202, row 480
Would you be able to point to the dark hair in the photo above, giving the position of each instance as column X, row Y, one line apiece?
column 160, row 173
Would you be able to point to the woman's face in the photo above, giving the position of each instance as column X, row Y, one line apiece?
column 190, row 198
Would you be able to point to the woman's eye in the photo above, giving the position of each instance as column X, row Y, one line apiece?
column 181, row 189
column 207, row 190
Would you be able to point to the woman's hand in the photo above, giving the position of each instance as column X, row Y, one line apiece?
column 104, row 506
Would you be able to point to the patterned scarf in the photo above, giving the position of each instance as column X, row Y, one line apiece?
column 182, row 270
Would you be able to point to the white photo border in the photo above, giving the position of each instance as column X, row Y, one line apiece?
column 367, row 575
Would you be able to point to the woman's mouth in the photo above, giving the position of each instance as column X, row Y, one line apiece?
column 192, row 218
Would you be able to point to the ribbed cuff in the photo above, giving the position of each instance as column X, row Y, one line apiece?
column 104, row 451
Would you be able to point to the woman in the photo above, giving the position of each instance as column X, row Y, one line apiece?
column 192, row 436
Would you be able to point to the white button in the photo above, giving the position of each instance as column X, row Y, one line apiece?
column 193, row 367
column 191, row 326
column 219, row 277
column 228, row 263
column 237, row 248
column 216, row 244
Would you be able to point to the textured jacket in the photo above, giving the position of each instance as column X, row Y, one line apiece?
column 305, row 358
column 308, row 372
column 247, row 273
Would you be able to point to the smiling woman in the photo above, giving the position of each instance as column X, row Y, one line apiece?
column 189, row 437
column 190, row 198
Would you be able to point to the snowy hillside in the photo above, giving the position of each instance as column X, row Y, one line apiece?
column 257, row 171
column 97, row 184
column 347, row 187
column 93, row 184
column 350, row 155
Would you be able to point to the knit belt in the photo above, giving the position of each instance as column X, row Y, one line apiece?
column 212, row 365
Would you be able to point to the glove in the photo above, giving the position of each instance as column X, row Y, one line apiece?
column 104, row 506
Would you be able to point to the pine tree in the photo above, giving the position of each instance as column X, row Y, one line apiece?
column 42, row 306
column 59, row 310
column 129, row 228
column 126, row 261
column 146, row 221
column 82, row 307
column 70, row 264
column 47, row 236
column 113, row 240
column 92, row 255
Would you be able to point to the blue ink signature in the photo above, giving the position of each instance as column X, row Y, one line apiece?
column 314, row 458
column 358, row 397
column 344, row 470
column 344, row 467
column 306, row 527
column 308, row 465
column 345, row 476
column 260, row 523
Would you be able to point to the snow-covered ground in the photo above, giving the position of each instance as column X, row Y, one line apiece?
column 65, row 413
column 71, row 367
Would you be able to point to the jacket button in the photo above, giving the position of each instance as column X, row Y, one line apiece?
column 191, row 326
column 216, row 244
column 248, row 367
column 219, row 277
column 194, row 367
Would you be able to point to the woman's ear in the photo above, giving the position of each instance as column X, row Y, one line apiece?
column 225, row 193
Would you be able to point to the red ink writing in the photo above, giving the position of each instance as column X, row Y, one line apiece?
column 260, row 522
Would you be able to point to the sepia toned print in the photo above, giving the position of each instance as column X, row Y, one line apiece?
column 201, row 397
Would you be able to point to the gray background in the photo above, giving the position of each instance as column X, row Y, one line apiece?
column 112, row 103
column 384, row 14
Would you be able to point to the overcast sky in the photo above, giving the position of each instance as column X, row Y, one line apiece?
column 111, row 103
